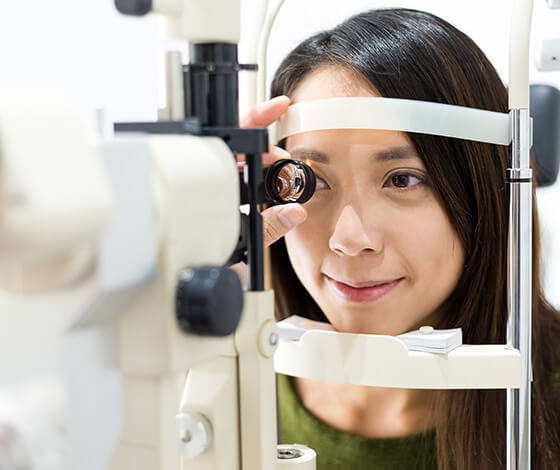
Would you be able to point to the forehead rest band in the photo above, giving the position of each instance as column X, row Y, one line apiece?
column 396, row 114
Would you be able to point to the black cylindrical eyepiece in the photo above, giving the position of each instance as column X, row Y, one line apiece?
column 288, row 181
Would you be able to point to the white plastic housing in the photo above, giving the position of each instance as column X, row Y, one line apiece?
column 54, row 192
column 252, row 17
column 199, row 223
column 212, row 390
column 547, row 57
column 198, row 186
column 307, row 459
column 31, row 325
column 201, row 21
column 553, row 4
column 520, row 34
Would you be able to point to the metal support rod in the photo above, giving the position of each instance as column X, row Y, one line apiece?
column 255, row 252
column 175, row 98
column 520, row 289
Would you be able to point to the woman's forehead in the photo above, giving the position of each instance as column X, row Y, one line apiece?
column 332, row 82
column 351, row 141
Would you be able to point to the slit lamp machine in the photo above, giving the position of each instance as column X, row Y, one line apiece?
column 132, row 230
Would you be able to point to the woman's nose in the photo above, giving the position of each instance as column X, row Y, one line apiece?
column 351, row 238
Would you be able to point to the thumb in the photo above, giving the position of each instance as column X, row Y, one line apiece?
column 279, row 220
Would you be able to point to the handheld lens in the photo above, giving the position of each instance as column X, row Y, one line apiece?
column 289, row 181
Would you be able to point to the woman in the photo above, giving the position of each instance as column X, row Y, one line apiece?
column 404, row 230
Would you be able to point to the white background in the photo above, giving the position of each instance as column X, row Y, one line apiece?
column 112, row 63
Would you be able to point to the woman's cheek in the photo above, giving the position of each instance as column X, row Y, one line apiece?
column 299, row 244
column 304, row 245
column 435, row 251
column 310, row 232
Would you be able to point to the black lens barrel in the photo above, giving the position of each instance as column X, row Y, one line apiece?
column 268, row 192
column 272, row 176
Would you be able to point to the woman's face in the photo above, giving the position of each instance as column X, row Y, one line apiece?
column 377, row 251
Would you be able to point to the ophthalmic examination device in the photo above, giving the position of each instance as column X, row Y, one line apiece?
column 159, row 218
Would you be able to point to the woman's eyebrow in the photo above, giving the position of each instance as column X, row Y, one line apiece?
column 308, row 154
column 397, row 153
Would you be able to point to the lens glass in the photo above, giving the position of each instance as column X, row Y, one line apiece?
column 290, row 182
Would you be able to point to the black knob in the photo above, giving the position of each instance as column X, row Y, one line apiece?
column 209, row 301
column 134, row 7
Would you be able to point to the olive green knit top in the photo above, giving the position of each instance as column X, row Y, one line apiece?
column 340, row 450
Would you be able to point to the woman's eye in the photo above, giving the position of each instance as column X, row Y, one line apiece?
column 403, row 180
column 320, row 183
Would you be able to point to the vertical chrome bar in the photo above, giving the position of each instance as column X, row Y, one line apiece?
column 174, row 90
column 520, row 290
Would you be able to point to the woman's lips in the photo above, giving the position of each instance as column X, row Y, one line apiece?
column 362, row 294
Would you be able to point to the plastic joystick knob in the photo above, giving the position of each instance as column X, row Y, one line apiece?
column 134, row 7
column 209, row 301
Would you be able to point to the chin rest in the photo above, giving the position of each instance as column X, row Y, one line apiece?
column 545, row 111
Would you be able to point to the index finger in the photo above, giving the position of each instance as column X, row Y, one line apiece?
column 265, row 113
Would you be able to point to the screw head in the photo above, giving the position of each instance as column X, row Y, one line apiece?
column 195, row 434
column 289, row 453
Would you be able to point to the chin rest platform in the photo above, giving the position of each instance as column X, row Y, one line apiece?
column 385, row 361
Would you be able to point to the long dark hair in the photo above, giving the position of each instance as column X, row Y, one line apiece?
column 415, row 55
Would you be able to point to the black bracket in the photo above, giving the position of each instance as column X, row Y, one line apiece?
column 249, row 141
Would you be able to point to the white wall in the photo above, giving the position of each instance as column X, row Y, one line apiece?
column 108, row 61
column 84, row 47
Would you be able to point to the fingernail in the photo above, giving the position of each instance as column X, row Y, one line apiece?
column 279, row 152
column 291, row 216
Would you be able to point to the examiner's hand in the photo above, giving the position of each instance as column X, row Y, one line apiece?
column 277, row 220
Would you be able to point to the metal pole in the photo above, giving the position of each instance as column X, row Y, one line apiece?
column 520, row 290
column 255, row 252
column 174, row 87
